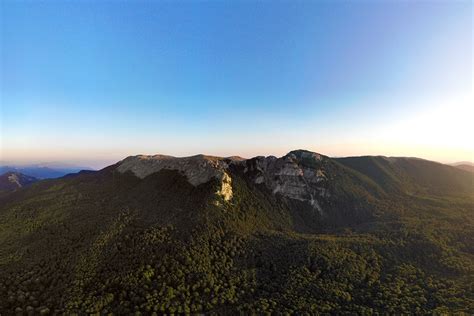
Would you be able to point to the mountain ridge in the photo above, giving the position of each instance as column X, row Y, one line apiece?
column 40, row 171
column 301, row 233
column 465, row 167
column 143, row 165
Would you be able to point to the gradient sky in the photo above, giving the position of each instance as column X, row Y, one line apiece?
column 91, row 82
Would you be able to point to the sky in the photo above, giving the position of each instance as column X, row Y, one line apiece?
column 91, row 82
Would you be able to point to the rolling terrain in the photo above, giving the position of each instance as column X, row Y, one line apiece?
column 11, row 181
column 46, row 171
column 464, row 165
column 301, row 233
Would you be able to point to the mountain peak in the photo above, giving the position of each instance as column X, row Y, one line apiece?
column 298, row 167
column 302, row 154
column 198, row 169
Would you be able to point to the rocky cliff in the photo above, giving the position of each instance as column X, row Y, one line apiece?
column 299, row 175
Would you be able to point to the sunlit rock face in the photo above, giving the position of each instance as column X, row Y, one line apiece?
column 298, row 175
column 225, row 190
column 198, row 169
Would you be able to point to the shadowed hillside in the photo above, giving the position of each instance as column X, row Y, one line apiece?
column 411, row 175
column 11, row 181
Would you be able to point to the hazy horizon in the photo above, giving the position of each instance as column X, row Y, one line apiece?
column 99, row 164
column 91, row 83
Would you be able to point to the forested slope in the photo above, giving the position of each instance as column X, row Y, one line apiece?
column 390, row 237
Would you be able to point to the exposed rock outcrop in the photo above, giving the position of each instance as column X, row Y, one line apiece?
column 226, row 187
column 299, row 175
column 12, row 181
column 198, row 169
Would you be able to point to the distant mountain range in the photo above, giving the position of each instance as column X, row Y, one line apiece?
column 464, row 165
column 297, row 234
column 42, row 171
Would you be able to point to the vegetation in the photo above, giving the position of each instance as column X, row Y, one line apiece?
column 104, row 242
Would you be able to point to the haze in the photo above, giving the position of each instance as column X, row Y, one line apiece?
column 90, row 83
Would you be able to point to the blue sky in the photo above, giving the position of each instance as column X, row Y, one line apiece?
column 91, row 82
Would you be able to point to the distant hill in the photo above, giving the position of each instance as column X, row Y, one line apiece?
column 410, row 175
column 464, row 165
column 11, row 181
column 42, row 172
column 297, row 234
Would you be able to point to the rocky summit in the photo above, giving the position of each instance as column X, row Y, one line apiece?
column 299, row 175
column 197, row 169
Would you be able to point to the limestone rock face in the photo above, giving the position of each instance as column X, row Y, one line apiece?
column 225, row 190
column 198, row 169
column 299, row 175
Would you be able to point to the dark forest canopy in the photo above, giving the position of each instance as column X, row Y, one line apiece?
column 395, row 235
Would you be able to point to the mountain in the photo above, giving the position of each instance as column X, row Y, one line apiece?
column 47, row 171
column 410, row 175
column 464, row 165
column 11, row 181
column 303, row 233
